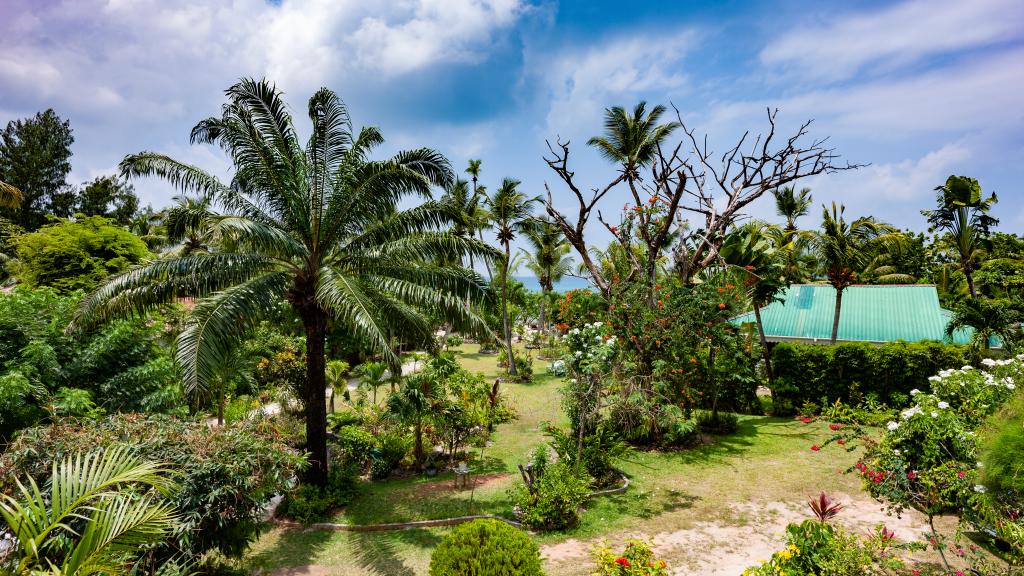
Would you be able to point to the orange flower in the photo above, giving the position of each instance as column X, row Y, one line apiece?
column 721, row 305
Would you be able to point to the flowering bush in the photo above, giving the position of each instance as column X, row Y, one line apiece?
column 590, row 349
column 636, row 560
column 929, row 458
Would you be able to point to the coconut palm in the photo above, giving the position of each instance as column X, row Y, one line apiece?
column 111, row 499
column 791, row 205
column 631, row 139
column 548, row 258
column 316, row 226
column 336, row 373
column 988, row 319
column 10, row 196
column 511, row 214
column 844, row 248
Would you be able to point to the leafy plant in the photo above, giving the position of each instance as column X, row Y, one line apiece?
column 824, row 508
column 636, row 560
column 555, row 501
column 96, row 516
column 486, row 547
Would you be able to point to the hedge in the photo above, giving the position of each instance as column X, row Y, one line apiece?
column 852, row 372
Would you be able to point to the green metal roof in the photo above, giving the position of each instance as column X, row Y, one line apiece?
column 869, row 314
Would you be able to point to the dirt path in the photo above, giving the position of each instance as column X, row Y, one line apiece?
column 726, row 549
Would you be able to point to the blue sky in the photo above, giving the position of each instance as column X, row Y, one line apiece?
column 918, row 89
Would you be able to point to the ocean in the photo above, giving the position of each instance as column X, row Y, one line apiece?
column 567, row 283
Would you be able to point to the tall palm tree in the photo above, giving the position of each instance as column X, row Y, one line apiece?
column 10, row 196
column 963, row 213
column 844, row 248
column 548, row 258
column 316, row 226
column 791, row 205
column 99, row 494
column 511, row 213
column 482, row 221
column 988, row 319
column 631, row 140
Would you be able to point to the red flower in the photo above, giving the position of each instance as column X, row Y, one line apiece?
column 815, row 448
column 621, row 561
column 721, row 306
column 841, row 442
column 661, row 303
column 615, row 230
column 806, row 419
column 835, row 426
column 961, row 474
column 915, row 572
column 721, row 290
column 911, row 475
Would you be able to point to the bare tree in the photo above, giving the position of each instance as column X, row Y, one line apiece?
column 688, row 179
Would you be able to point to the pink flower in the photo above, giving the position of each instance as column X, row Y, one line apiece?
column 961, row 474
column 806, row 419
column 835, row 426
column 911, row 475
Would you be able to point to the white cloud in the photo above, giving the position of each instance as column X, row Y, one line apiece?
column 581, row 83
column 895, row 36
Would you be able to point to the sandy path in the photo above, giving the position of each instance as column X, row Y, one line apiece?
column 726, row 549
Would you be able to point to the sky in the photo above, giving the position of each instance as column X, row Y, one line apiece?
column 917, row 90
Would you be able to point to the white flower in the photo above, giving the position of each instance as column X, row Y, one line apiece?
column 968, row 367
column 1011, row 386
column 989, row 362
column 915, row 391
column 892, row 426
column 598, row 324
column 980, row 465
column 911, row 412
column 943, row 405
column 934, row 379
column 979, row 488
column 896, row 452
column 935, row 414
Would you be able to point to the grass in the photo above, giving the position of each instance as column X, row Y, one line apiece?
column 767, row 460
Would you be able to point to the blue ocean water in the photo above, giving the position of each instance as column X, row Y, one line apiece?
column 567, row 283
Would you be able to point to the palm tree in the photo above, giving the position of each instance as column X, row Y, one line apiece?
column 844, row 248
column 413, row 403
column 963, row 213
column 104, row 494
column 10, row 196
column 753, row 249
column 988, row 319
column 316, row 226
column 191, row 223
column 791, row 205
column 548, row 259
column 511, row 212
column 631, row 140
column 335, row 373
column 372, row 376
column 481, row 219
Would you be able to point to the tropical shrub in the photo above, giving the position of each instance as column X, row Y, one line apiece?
column 226, row 474
column 579, row 307
column 554, row 500
column 118, row 505
column 309, row 503
column 636, row 560
column 852, row 372
column 486, row 548
column 76, row 255
column 599, row 452
column 720, row 423
column 1002, row 471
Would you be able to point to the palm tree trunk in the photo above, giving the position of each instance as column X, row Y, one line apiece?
column 417, row 451
column 543, row 319
column 504, row 312
column 220, row 406
column 835, row 319
column 315, row 323
column 713, row 383
column 764, row 346
column 970, row 281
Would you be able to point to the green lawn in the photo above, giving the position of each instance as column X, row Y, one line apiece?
column 768, row 461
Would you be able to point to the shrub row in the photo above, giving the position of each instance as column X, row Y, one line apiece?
column 853, row 372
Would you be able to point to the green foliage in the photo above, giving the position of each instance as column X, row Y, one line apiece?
column 579, row 307
column 35, row 158
column 119, row 506
column 20, row 405
column 555, row 499
column 814, row 548
column 601, row 449
column 1000, row 449
column 77, row 255
column 110, row 197
column 309, row 503
column 486, row 548
column 852, row 372
column 636, row 560
column 226, row 474
column 391, row 448
column 723, row 423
